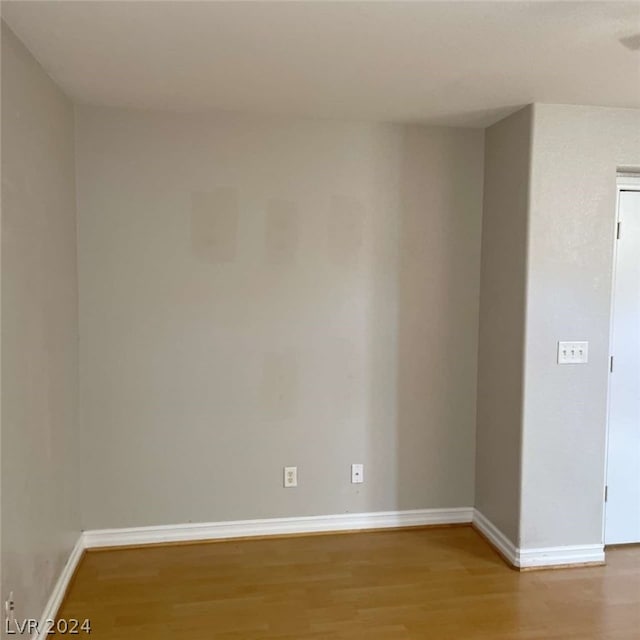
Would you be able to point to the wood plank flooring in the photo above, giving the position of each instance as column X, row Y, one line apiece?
column 431, row 584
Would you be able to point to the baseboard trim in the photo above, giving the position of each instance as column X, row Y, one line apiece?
column 582, row 555
column 60, row 588
column 194, row 532
column 541, row 557
column 498, row 540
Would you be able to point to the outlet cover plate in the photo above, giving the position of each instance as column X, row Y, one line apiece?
column 290, row 477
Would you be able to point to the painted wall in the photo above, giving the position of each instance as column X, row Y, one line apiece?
column 40, row 516
column 501, row 327
column 576, row 151
column 258, row 292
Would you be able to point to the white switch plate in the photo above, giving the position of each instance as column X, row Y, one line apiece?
column 357, row 473
column 573, row 352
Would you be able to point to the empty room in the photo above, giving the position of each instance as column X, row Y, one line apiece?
column 320, row 320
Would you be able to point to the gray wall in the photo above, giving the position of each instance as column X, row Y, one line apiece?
column 40, row 517
column 258, row 292
column 547, row 255
column 502, row 314
column 576, row 151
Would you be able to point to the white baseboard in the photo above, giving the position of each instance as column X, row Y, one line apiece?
column 499, row 540
column 579, row 554
column 537, row 557
column 274, row 526
column 60, row 588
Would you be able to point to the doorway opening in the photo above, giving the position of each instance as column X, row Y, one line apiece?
column 622, row 489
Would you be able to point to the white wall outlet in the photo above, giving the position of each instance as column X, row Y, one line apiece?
column 9, row 608
column 290, row 477
column 573, row 352
column 357, row 473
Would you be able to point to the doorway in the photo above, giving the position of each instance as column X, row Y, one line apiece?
column 622, row 493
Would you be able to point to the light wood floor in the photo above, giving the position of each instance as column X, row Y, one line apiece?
column 430, row 584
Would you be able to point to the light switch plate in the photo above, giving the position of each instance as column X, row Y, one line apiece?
column 573, row 352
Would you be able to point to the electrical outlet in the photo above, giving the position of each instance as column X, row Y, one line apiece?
column 290, row 477
column 357, row 473
column 9, row 608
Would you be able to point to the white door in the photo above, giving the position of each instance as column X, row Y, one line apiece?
column 622, row 508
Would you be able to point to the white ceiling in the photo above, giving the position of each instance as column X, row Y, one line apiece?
column 459, row 63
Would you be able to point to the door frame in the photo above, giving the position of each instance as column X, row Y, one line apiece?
column 624, row 182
